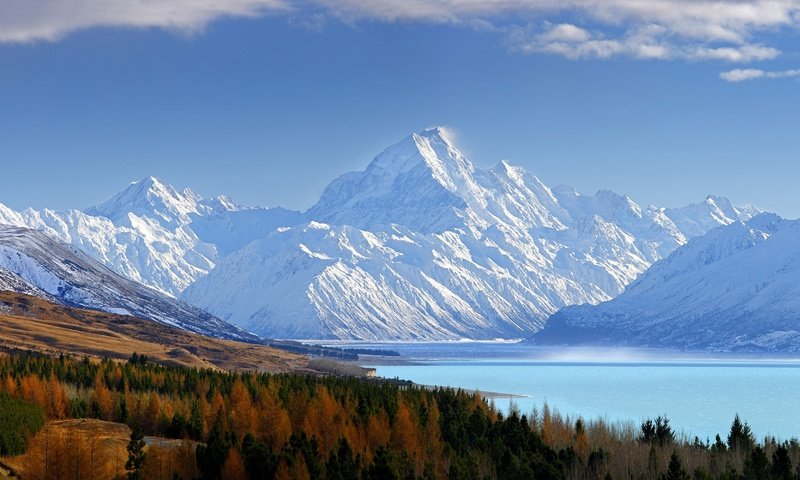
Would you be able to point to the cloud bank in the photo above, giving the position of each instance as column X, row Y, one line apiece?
column 695, row 30
column 24, row 21
column 649, row 42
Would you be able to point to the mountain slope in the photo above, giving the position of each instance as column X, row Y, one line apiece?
column 31, row 323
column 734, row 288
column 424, row 245
column 34, row 263
column 155, row 235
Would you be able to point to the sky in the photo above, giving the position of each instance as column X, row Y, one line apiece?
column 268, row 100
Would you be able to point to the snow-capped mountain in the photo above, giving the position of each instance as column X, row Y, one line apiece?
column 154, row 234
column 734, row 288
column 424, row 245
column 419, row 245
column 698, row 218
column 35, row 263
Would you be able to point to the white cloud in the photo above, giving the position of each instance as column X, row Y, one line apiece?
column 566, row 32
column 650, row 42
column 744, row 74
column 718, row 20
column 721, row 30
column 715, row 30
column 32, row 20
column 744, row 53
column 575, row 43
column 741, row 74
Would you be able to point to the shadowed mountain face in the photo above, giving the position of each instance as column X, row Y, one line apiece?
column 734, row 288
column 33, row 262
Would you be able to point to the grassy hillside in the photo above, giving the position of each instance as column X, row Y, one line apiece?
column 30, row 323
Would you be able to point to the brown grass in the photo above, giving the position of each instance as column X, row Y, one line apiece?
column 30, row 323
column 88, row 448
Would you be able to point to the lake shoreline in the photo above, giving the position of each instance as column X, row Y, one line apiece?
column 701, row 394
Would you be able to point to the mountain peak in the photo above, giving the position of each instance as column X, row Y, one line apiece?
column 767, row 222
column 148, row 197
column 149, row 181
column 433, row 147
column 430, row 152
column 422, row 172
column 717, row 201
column 436, row 132
column 511, row 171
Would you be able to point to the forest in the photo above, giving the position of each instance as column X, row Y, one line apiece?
column 189, row 423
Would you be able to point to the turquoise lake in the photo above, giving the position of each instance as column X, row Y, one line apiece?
column 699, row 393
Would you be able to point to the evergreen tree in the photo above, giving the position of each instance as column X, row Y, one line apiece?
column 675, row 470
column 740, row 437
column 136, row 454
column 123, row 410
column 19, row 420
column 781, row 464
column 212, row 455
column 259, row 461
column 383, row 467
column 194, row 426
column 657, row 431
column 342, row 465
column 757, row 465
column 719, row 446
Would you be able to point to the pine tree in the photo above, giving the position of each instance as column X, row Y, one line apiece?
column 757, row 465
column 212, row 455
column 136, row 455
column 657, row 431
column 675, row 470
column 781, row 463
column 740, row 436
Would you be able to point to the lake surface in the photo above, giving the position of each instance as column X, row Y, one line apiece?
column 699, row 393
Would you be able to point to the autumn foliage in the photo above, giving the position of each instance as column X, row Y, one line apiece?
column 281, row 426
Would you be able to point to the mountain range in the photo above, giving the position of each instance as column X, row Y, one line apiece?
column 424, row 245
column 734, row 288
column 420, row 245
column 37, row 264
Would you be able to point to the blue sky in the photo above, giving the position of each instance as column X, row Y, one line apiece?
column 268, row 101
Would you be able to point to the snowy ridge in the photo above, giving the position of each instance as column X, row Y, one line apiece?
column 419, row 245
column 155, row 235
column 696, row 219
column 32, row 262
column 734, row 288
column 423, row 245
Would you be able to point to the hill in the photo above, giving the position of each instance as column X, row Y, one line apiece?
column 31, row 323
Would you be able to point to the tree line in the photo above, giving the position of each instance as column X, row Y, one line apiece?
column 249, row 425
